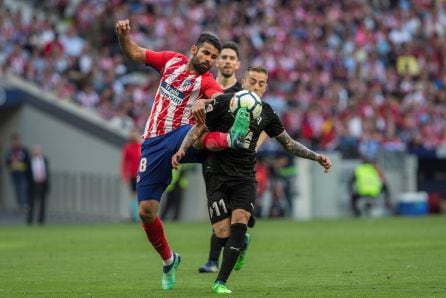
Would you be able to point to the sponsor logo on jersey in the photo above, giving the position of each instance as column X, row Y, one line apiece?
column 171, row 93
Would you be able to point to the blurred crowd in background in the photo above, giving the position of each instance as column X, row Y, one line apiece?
column 353, row 76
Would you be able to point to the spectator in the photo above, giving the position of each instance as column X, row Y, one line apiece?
column 407, row 63
column 366, row 188
column 131, row 153
column 285, row 171
column 19, row 166
column 122, row 119
column 40, row 184
column 351, row 63
column 262, row 178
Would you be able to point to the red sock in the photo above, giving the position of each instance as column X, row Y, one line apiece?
column 216, row 141
column 155, row 234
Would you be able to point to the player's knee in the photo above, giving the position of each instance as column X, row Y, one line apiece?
column 222, row 229
column 223, row 232
column 240, row 216
column 147, row 211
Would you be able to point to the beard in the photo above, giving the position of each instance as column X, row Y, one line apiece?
column 201, row 68
column 227, row 74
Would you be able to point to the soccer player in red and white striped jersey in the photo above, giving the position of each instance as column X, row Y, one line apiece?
column 184, row 81
column 180, row 86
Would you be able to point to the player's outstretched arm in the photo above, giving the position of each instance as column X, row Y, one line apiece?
column 300, row 150
column 191, row 137
column 129, row 47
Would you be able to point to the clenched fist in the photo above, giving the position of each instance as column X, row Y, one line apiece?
column 122, row 27
column 324, row 161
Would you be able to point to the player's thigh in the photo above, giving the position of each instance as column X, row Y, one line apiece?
column 242, row 194
column 155, row 169
column 217, row 199
column 149, row 208
column 154, row 174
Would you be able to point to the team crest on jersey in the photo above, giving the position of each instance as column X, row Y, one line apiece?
column 186, row 83
column 259, row 119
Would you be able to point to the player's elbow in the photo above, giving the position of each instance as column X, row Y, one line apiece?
column 134, row 52
column 137, row 56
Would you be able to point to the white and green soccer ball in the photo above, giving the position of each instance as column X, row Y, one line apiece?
column 248, row 100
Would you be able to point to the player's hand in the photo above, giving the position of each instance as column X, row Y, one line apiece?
column 199, row 112
column 324, row 161
column 122, row 27
column 176, row 158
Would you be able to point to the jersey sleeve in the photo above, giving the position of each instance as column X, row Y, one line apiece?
column 158, row 60
column 217, row 108
column 275, row 126
column 210, row 86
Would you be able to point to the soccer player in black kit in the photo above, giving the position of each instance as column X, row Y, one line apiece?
column 228, row 62
column 230, row 174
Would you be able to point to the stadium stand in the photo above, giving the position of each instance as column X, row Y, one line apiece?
column 349, row 68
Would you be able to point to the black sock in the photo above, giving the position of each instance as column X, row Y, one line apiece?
column 232, row 250
column 215, row 249
column 223, row 241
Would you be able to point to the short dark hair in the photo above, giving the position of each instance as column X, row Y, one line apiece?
column 257, row 68
column 209, row 38
column 231, row 45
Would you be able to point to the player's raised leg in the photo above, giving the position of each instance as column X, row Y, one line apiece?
column 154, row 174
column 216, row 141
column 240, row 128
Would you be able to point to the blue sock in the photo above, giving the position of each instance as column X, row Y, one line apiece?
column 134, row 209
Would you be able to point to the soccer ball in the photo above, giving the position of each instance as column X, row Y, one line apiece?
column 248, row 100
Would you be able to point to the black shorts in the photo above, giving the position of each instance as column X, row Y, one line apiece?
column 225, row 194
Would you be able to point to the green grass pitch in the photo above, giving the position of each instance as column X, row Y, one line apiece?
column 392, row 257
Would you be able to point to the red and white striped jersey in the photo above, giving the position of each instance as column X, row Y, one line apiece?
column 177, row 91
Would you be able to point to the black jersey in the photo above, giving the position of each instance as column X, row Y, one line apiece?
column 234, row 88
column 238, row 162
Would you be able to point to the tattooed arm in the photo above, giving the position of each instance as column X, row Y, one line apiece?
column 299, row 150
column 191, row 137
